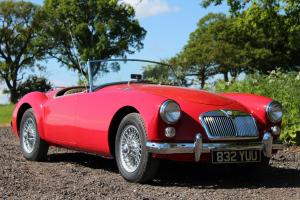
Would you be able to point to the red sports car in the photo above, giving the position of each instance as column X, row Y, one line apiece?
column 138, row 122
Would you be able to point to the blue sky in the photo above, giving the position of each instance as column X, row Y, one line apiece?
column 168, row 24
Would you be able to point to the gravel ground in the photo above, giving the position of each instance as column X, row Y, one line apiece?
column 72, row 175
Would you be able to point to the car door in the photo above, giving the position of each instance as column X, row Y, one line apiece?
column 92, row 121
column 59, row 119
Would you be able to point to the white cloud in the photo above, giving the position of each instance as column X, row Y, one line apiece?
column 147, row 8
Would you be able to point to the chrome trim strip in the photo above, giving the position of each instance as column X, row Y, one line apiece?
column 170, row 148
column 221, row 113
column 208, row 147
column 198, row 147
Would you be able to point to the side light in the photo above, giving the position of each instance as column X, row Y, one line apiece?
column 276, row 130
column 170, row 132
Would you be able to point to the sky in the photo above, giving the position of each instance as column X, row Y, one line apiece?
column 168, row 24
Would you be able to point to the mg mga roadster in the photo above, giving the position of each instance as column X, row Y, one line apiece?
column 121, row 115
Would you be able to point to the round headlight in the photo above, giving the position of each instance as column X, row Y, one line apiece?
column 170, row 112
column 274, row 111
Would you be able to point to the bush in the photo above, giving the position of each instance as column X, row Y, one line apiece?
column 283, row 87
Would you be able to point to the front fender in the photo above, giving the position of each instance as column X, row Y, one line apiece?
column 34, row 100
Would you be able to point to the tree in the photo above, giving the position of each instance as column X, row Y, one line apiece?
column 20, row 45
column 268, row 31
column 167, row 73
column 234, row 5
column 238, row 6
column 265, row 37
column 32, row 83
column 209, row 50
column 157, row 73
column 100, row 29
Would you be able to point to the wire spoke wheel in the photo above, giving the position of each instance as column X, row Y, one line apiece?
column 130, row 148
column 33, row 147
column 29, row 135
column 134, row 162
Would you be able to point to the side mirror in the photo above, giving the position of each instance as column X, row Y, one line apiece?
column 136, row 76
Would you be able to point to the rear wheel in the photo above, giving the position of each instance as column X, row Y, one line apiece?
column 134, row 162
column 33, row 147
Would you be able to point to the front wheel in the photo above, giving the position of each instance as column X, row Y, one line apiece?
column 134, row 162
column 33, row 147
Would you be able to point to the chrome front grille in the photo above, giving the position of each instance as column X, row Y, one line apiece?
column 220, row 126
column 245, row 126
column 225, row 124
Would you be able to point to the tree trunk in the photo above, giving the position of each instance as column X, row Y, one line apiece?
column 202, row 78
column 13, row 96
column 226, row 79
column 202, row 83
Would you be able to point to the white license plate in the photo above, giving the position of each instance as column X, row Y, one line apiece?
column 236, row 156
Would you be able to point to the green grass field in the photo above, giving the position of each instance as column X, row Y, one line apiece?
column 5, row 114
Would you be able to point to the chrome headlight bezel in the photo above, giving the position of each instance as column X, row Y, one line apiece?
column 270, row 110
column 164, row 113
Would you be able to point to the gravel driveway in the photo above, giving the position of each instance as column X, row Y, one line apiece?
column 72, row 175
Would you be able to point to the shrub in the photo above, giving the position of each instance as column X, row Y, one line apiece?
column 283, row 87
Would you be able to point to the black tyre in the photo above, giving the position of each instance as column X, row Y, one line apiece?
column 33, row 147
column 134, row 162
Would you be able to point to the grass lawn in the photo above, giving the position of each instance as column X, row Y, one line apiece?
column 5, row 114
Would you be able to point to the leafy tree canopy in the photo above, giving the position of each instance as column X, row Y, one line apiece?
column 261, row 37
column 268, row 39
column 209, row 49
column 20, row 43
column 169, row 73
column 100, row 29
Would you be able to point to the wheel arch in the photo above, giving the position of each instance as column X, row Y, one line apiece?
column 21, row 111
column 33, row 100
column 114, row 124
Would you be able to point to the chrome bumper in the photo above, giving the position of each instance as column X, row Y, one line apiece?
column 198, row 147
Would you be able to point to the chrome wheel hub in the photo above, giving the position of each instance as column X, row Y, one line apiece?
column 125, row 149
column 29, row 135
column 130, row 148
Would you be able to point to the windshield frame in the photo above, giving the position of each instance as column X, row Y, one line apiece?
column 89, row 66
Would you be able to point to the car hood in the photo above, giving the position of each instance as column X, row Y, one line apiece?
column 185, row 94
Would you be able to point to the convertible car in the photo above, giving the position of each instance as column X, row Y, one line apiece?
column 138, row 123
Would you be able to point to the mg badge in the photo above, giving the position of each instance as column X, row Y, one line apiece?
column 228, row 113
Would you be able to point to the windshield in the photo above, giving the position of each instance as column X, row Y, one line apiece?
column 103, row 72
